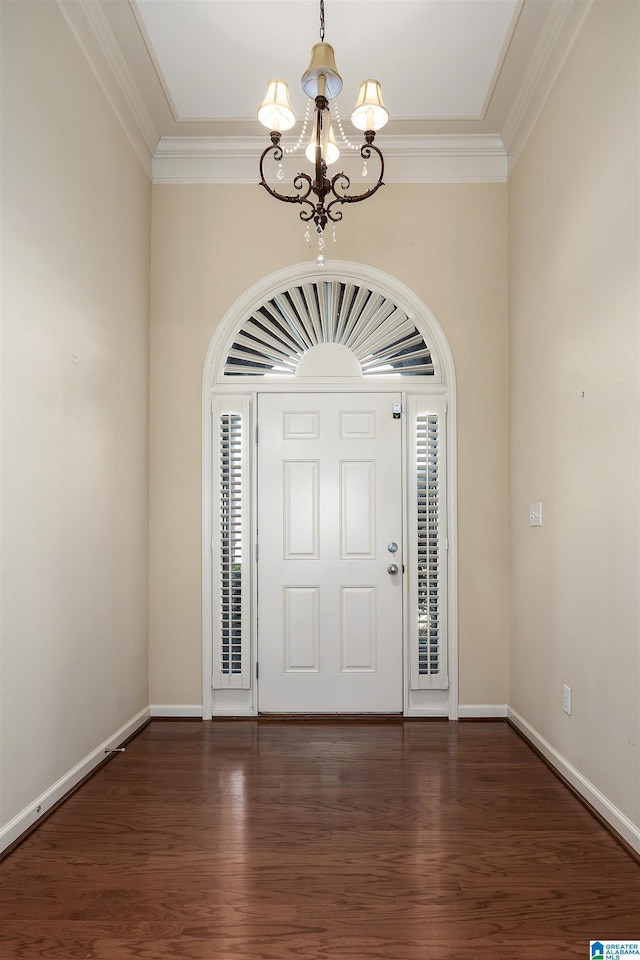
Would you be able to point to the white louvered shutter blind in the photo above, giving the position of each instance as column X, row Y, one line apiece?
column 274, row 336
column 428, row 543
column 231, row 565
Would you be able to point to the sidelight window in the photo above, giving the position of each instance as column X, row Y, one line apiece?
column 230, row 542
column 428, row 554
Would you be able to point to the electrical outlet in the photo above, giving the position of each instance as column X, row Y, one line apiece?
column 535, row 514
column 566, row 699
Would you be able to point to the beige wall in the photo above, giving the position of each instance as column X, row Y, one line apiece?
column 574, row 318
column 210, row 243
column 75, row 274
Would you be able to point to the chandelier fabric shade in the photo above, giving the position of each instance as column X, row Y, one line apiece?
column 322, row 65
column 329, row 149
column 321, row 198
column 369, row 112
column 275, row 111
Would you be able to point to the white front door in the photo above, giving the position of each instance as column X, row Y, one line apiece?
column 329, row 507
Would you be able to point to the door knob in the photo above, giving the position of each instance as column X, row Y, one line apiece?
column 392, row 568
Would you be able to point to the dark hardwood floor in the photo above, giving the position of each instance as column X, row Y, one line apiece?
column 319, row 841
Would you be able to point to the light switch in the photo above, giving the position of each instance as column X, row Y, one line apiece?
column 535, row 514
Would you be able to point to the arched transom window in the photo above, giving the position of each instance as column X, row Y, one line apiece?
column 289, row 335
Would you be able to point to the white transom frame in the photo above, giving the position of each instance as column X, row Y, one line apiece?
column 338, row 272
column 216, row 385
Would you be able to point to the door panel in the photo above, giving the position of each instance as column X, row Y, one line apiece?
column 329, row 503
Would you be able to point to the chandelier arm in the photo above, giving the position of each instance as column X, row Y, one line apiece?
column 334, row 215
column 340, row 183
column 302, row 183
column 365, row 153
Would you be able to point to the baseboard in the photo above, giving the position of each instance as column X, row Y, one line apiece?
column 466, row 711
column 176, row 710
column 601, row 805
column 35, row 811
column 479, row 711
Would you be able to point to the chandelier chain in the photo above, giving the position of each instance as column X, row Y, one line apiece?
column 322, row 21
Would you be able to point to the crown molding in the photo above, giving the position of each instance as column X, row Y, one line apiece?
column 479, row 158
column 563, row 25
column 96, row 39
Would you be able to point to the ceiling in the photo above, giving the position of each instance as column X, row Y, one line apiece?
column 469, row 74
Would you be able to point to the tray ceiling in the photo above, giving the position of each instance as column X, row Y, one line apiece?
column 193, row 72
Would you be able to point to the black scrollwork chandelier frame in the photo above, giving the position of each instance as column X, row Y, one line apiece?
column 319, row 211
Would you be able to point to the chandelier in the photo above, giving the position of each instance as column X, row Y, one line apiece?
column 320, row 196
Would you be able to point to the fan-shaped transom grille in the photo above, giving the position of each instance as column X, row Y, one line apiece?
column 274, row 336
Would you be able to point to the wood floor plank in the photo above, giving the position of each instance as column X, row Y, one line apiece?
column 203, row 942
column 319, row 841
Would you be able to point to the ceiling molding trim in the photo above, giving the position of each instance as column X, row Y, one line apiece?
column 563, row 25
column 506, row 43
column 94, row 35
column 479, row 158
